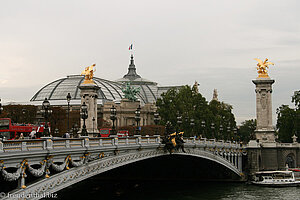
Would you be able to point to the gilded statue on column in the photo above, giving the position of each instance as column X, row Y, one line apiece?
column 88, row 73
column 262, row 68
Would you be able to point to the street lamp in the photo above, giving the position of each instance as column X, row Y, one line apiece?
column 1, row 108
column 156, row 120
column 84, row 116
column 71, row 132
column 93, row 124
column 137, row 119
column 68, row 100
column 235, row 134
column 179, row 122
column 113, row 114
column 46, row 111
column 221, row 131
column 56, row 132
column 228, row 133
column 192, row 123
column 203, row 127
column 75, row 129
column 212, row 126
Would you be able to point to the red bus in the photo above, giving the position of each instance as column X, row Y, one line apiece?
column 11, row 131
column 106, row 132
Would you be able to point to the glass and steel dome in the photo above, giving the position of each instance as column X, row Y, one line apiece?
column 57, row 90
column 109, row 90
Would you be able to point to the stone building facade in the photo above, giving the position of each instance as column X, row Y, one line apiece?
column 126, row 113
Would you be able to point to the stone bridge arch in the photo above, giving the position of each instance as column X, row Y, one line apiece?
column 74, row 175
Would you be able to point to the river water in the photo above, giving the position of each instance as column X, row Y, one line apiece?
column 164, row 190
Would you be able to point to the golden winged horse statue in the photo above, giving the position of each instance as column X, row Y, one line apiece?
column 88, row 73
column 262, row 67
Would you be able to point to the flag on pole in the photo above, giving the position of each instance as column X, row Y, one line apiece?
column 130, row 47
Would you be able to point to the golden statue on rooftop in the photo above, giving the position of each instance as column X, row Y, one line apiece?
column 262, row 68
column 88, row 73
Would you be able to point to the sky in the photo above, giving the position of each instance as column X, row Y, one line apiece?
column 175, row 43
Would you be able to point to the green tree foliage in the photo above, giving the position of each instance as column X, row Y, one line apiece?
column 288, row 120
column 58, row 120
column 285, row 123
column 191, row 105
column 223, row 120
column 296, row 99
column 20, row 113
column 246, row 130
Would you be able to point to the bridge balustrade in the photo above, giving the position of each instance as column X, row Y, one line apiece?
column 86, row 154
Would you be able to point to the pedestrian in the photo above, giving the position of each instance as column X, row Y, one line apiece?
column 32, row 135
column 21, row 136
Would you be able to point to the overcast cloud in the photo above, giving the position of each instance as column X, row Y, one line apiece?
column 175, row 43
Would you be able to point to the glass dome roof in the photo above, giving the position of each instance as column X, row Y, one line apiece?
column 109, row 90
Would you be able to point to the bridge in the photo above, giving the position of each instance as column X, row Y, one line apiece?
column 62, row 162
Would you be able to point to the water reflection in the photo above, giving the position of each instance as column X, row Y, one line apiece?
column 162, row 190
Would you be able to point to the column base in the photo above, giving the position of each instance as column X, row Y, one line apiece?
column 265, row 136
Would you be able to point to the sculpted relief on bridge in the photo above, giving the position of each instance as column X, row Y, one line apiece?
column 74, row 160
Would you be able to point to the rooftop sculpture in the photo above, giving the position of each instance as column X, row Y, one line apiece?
column 88, row 73
column 262, row 68
column 130, row 92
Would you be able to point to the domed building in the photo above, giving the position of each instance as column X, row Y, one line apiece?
column 109, row 94
column 57, row 90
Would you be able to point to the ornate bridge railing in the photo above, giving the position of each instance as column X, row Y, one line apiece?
column 84, row 155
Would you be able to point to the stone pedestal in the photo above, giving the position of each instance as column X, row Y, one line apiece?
column 89, row 94
column 264, row 130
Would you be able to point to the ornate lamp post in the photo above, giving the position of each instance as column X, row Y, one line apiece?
column 203, row 127
column 68, row 100
column 179, row 122
column 1, row 108
column 75, row 129
column 156, row 120
column 168, row 128
column 93, row 124
column 212, row 126
column 84, row 116
column 46, row 111
column 71, row 132
column 137, row 119
column 235, row 134
column 228, row 133
column 56, row 132
column 113, row 114
column 192, row 123
column 221, row 131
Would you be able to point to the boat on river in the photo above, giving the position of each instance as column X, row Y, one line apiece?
column 276, row 179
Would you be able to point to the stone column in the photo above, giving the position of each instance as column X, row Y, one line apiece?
column 264, row 130
column 89, row 95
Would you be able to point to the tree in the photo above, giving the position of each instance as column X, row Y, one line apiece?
column 296, row 99
column 288, row 119
column 223, row 119
column 184, row 102
column 191, row 105
column 285, row 123
column 20, row 113
column 246, row 130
